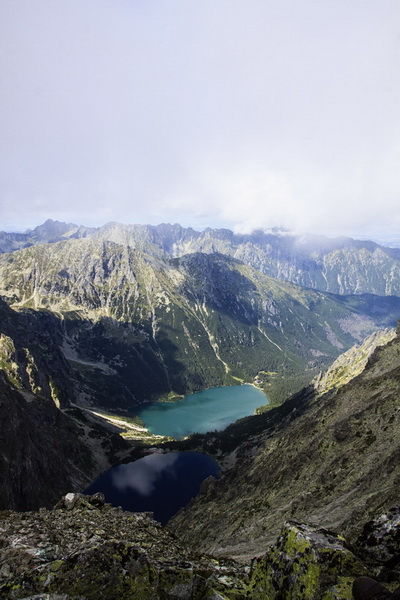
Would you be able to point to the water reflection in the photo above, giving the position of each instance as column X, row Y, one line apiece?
column 142, row 475
column 159, row 483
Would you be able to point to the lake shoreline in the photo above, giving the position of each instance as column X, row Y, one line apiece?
column 210, row 409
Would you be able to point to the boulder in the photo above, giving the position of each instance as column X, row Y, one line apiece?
column 306, row 562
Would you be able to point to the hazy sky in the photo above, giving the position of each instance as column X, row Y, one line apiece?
column 236, row 113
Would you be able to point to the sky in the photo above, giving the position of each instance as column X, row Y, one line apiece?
column 246, row 114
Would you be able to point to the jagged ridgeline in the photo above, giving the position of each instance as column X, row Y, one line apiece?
column 340, row 265
column 135, row 326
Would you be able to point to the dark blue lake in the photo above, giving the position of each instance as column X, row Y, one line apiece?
column 159, row 483
column 210, row 410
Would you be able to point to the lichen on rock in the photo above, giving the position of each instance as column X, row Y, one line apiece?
column 306, row 562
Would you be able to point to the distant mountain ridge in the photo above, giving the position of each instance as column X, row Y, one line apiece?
column 337, row 265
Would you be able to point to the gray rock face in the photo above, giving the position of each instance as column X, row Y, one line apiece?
column 379, row 545
column 306, row 562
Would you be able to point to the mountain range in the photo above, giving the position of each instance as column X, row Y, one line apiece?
column 338, row 265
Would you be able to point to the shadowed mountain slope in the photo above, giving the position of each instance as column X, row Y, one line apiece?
column 47, row 446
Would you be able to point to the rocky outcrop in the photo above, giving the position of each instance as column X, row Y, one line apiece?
column 91, row 551
column 312, row 562
column 351, row 363
column 306, row 562
column 379, row 545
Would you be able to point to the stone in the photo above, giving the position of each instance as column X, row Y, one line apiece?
column 97, row 499
column 70, row 500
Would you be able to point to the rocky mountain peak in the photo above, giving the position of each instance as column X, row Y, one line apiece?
column 53, row 230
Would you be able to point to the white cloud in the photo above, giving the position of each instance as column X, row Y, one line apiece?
column 142, row 475
column 212, row 113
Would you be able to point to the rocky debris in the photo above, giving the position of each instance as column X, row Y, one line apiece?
column 86, row 549
column 70, row 500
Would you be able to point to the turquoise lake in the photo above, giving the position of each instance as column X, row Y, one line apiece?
column 210, row 410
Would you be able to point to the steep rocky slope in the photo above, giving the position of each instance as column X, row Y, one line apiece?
column 339, row 265
column 351, row 363
column 136, row 326
column 45, row 452
column 48, row 446
column 30, row 355
column 331, row 459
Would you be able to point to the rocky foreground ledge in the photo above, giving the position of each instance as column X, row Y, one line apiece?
column 85, row 549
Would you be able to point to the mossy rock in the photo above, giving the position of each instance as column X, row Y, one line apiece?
column 306, row 562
